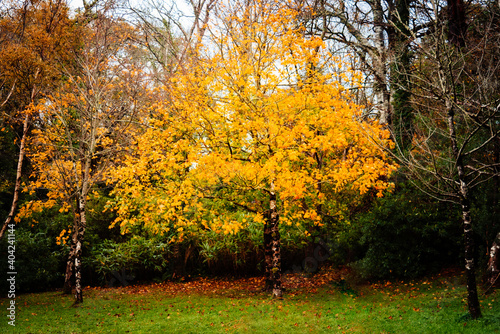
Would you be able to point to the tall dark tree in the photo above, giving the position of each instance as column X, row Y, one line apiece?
column 457, row 25
column 400, row 66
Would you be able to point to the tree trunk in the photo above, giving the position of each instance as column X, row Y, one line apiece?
column 312, row 246
column 179, row 269
column 276, row 247
column 268, row 252
column 470, row 268
column 22, row 152
column 494, row 261
column 80, row 232
column 457, row 26
column 493, row 269
column 68, row 283
column 17, row 185
column 379, row 66
column 402, row 113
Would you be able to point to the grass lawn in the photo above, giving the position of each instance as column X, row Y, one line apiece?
column 321, row 304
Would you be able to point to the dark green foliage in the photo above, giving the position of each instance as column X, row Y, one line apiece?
column 486, row 210
column 403, row 114
column 232, row 254
column 8, row 161
column 99, row 221
column 138, row 258
column 407, row 235
column 39, row 261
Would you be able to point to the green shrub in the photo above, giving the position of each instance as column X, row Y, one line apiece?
column 238, row 253
column 39, row 261
column 406, row 235
column 138, row 258
column 485, row 214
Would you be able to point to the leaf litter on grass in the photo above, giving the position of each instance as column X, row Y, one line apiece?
column 324, row 302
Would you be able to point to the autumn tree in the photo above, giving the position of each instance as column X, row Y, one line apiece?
column 84, row 128
column 247, row 124
column 35, row 41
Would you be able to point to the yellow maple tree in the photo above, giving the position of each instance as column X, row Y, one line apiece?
column 257, row 121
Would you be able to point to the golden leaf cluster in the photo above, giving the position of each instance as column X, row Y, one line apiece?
column 256, row 112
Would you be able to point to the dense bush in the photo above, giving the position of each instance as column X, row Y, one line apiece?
column 138, row 258
column 39, row 261
column 485, row 213
column 7, row 169
column 227, row 253
column 406, row 235
column 209, row 253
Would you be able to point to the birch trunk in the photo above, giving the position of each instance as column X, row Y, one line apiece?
column 80, row 232
column 17, row 186
column 82, row 222
column 22, row 153
column 493, row 269
column 380, row 66
column 68, row 285
column 275, row 244
column 470, row 268
column 268, row 253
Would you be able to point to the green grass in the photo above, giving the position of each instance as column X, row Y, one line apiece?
column 210, row 306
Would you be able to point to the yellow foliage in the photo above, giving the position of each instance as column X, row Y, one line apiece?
column 258, row 112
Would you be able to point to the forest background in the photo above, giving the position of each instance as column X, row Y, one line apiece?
column 247, row 137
